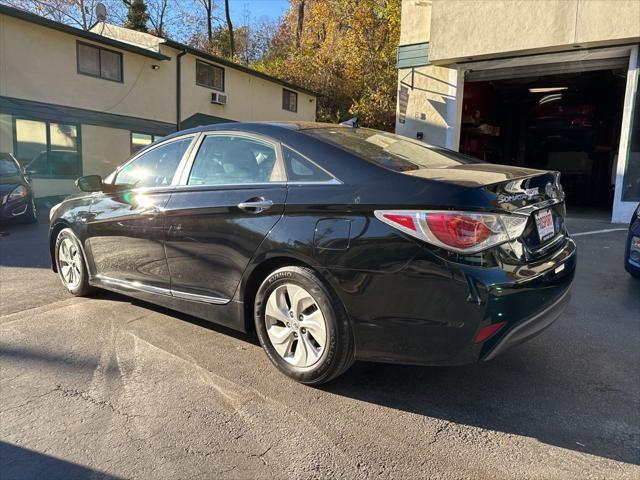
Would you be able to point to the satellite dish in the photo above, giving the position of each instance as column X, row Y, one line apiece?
column 101, row 12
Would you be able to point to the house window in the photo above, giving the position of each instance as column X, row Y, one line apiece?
column 141, row 140
column 209, row 76
column 99, row 62
column 48, row 149
column 289, row 100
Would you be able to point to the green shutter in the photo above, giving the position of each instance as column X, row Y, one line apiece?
column 414, row 55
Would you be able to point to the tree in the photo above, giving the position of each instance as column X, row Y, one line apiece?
column 137, row 16
column 78, row 13
column 300, row 22
column 209, row 8
column 346, row 52
column 158, row 11
column 229, row 27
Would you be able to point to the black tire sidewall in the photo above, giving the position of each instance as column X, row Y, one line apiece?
column 329, row 362
column 83, row 286
column 33, row 212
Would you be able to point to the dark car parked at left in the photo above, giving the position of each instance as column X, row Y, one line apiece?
column 16, row 196
column 334, row 243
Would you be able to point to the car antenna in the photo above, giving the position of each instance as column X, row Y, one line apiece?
column 352, row 122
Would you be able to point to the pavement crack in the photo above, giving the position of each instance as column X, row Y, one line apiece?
column 261, row 455
column 441, row 428
column 74, row 393
column 31, row 399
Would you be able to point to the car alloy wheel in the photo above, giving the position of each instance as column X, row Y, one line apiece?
column 303, row 326
column 71, row 263
column 295, row 325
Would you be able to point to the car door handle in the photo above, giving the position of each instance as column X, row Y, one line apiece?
column 255, row 205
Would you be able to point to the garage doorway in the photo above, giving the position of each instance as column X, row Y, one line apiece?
column 564, row 116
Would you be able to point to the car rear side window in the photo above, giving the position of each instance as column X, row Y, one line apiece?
column 154, row 168
column 234, row 159
column 302, row 169
column 388, row 150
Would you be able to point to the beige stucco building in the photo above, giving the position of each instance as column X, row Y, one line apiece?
column 74, row 102
column 539, row 83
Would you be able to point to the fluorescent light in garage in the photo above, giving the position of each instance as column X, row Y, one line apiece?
column 547, row 89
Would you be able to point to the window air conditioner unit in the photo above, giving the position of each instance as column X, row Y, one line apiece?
column 218, row 98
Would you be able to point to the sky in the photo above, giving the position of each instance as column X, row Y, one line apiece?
column 273, row 9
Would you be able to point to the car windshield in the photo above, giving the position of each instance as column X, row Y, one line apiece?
column 391, row 151
column 8, row 167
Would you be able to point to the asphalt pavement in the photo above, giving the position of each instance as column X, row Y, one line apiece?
column 109, row 387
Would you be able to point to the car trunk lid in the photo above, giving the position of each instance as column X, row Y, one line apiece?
column 522, row 191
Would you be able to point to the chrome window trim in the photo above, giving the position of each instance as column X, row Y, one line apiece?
column 227, row 186
column 333, row 181
column 124, row 284
column 183, row 181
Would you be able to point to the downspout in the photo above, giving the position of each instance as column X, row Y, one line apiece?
column 178, row 89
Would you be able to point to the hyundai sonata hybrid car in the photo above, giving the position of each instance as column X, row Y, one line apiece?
column 334, row 243
column 16, row 196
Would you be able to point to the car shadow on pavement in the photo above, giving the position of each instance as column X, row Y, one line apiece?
column 521, row 392
column 518, row 393
column 22, row 463
column 185, row 317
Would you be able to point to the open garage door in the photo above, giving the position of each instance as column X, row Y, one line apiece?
column 563, row 116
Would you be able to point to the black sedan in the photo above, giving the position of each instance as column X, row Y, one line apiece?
column 16, row 196
column 333, row 243
column 632, row 253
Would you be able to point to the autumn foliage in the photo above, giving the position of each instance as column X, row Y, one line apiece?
column 346, row 52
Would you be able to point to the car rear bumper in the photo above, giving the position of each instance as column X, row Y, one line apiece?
column 530, row 327
column 431, row 312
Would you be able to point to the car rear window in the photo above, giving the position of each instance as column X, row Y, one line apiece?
column 391, row 151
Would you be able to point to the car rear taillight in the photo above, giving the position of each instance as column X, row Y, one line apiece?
column 462, row 232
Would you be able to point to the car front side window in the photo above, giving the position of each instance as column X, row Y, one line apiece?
column 154, row 168
column 234, row 159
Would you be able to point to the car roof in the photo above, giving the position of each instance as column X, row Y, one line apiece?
column 257, row 127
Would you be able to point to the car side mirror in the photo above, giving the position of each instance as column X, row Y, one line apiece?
column 90, row 183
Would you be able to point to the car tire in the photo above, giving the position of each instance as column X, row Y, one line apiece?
column 291, row 306
column 71, row 264
column 32, row 213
